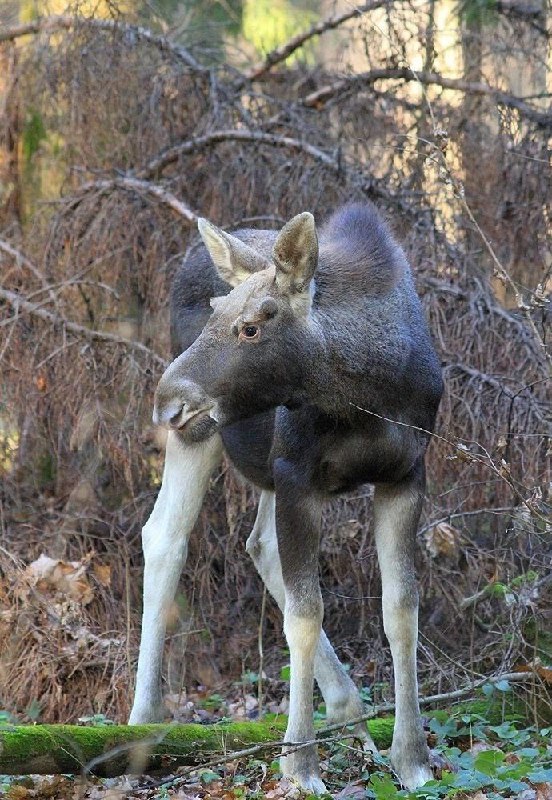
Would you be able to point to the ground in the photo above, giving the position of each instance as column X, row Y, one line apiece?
column 472, row 759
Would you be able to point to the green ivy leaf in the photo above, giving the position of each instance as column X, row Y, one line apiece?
column 488, row 761
column 384, row 788
column 285, row 673
column 542, row 775
column 208, row 776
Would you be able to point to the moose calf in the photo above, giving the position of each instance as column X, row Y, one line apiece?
column 306, row 358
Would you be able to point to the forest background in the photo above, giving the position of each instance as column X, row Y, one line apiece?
column 120, row 123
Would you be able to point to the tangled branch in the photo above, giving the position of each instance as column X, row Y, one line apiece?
column 131, row 32
column 19, row 304
column 338, row 89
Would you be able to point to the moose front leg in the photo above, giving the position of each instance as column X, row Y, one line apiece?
column 340, row 695
column 397, row 511
column 165, row 540
column 297, row 527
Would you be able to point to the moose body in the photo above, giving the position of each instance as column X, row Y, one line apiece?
column 307, row 359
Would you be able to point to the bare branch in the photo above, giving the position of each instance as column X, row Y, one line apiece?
column 19, row 303
column 506, row 278
column 68, row 22
column 321, row 96
column 282, row 52
column 209, row 140
column 473, row 599
column 367, row 183
column 143, row 187
column 495, row 383
column 22, row 261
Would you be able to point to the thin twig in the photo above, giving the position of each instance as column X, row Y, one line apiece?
column 261, row 652
column 464, row 454
column 21, row 260
column 339, row 166
column 504, row 275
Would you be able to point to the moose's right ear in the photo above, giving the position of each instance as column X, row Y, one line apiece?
column 234, row 260
column 295, row 254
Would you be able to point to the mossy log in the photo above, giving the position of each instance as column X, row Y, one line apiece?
column 112, row 750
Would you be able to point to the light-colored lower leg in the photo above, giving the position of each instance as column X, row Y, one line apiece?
column 165, row 541
column 340, row 694
column 396, row 517
column 302, row 634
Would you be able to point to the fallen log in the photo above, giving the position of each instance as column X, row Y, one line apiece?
column 110, row 750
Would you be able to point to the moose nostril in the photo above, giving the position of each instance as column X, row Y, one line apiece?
column 167, row 413
column 175, row 419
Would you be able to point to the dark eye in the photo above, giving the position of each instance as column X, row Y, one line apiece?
column 250, row 331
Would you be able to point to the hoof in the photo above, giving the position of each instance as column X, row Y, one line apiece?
column 301, row 768
column 412, row 764
column 415, row 777
column 310, row 784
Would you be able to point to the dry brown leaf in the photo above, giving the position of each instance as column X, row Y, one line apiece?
column 544, row 671
column 17, row 792
column 41, row 382
column 544, row 791
column 352, row 791
column 102, row 573
column 68, row 578
column 442, row 540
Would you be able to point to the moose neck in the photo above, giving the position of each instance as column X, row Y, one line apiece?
column 324, row 383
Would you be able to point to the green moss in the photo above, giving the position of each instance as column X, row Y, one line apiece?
column 381, row 731
column 68, row 748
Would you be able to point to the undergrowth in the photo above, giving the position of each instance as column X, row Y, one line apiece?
column 472, row 759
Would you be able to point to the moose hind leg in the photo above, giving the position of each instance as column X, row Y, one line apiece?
column 165, row 540
column 340, row 694
column 397, row 511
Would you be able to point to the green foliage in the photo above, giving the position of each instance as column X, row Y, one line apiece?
column 46, row 469
column 478, row 12
column 34, row 132
column 212, row 702
column 34, row 710
column 505, row 768
column 250, row 678
column 96, row 720
column 285, row 673
column 208, row 776
column 7, row 721
column 269, row 23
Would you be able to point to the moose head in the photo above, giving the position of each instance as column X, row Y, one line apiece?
column 254, row 351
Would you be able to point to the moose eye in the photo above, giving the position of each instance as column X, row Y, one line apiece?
column 250, row 331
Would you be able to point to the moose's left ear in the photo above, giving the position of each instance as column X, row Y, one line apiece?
column 295, row 254
column 234, row 260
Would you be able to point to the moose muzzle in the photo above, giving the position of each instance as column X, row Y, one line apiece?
column 183, row 405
